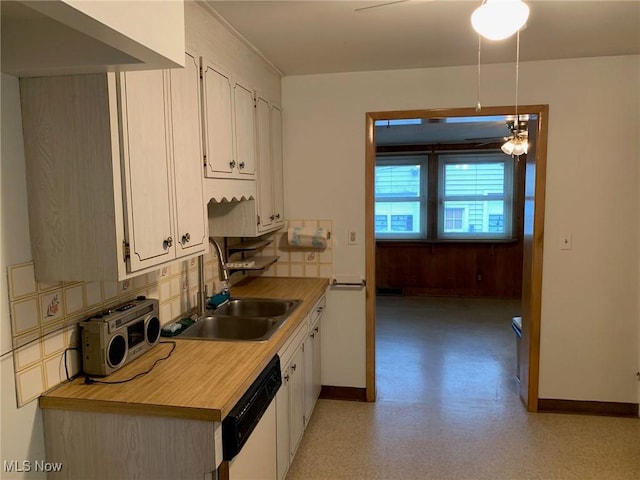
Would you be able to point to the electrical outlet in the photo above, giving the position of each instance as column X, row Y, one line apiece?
column 353, row 238
column 565, row 241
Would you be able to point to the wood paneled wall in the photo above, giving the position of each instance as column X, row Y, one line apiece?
column 452, row 269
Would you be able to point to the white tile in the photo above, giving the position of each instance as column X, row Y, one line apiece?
column 325, row 256
column 139, row 282
column 45, row 286
column 24, row 315
column 310, row 223
column 176, row 308
column 109, row 291
column 326, row 224
column 326, row 271
column 93, row 293
column 28, row 355
column 51, row 306
column 175, row 286
column 165, row 312
column 296, row 256
column 54, row 372
column 125, row 286
column 311, row 270
column 22, row 281
column 152, row 277
column 53, row 343
column 74, row 299
column 30, row 383
column 297, row 270
column 295, row 223
column 164, row 290
column 165, row 271
column 282, row 270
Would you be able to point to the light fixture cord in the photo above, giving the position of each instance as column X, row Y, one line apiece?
column 517, row 78
column 478, row 104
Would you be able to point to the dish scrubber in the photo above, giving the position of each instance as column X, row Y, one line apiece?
column 218, row 300
column 176, row 328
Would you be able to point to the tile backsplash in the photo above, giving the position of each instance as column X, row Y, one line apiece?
column 45, row 316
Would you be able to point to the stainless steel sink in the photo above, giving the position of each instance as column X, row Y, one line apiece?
column 256, row 307
column 243, row 319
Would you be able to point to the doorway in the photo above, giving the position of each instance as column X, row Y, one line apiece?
column 534, row 169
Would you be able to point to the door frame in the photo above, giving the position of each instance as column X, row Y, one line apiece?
column 533, row 238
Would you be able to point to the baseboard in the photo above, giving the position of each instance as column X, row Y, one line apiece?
column 611, row 409
column 353, row 394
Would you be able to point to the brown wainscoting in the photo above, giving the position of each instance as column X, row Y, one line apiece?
column 610, row 409
column 353, row 394
column 451, row 269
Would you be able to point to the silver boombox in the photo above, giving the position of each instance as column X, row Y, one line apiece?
column 113, row 338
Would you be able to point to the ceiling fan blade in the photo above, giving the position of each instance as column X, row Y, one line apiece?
column 386, row 4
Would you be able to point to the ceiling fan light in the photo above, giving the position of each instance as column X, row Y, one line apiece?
column 499, row 19
column 515, row 146
column 508, row 147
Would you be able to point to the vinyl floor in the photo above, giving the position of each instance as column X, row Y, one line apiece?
column 447, row 408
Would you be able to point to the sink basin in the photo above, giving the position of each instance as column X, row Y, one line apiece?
column 256, row 307
column 242, row 319
column 232, row 328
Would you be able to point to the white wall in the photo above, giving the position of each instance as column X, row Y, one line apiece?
column 590, row 312
column 22, row 435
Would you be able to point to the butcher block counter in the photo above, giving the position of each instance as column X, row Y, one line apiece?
column 202, row 379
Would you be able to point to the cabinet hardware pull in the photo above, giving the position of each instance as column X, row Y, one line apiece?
column 286, row 378
column 278, row 216
column 316, row 329
column 186, row 238
column 241, row 165
column 272, row 217
column 166, row 244
column 313, row 335
column 232, row 164
column 293, row 367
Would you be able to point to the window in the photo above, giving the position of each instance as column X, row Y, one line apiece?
column 475, row 194
column 400, row 197
column 471, row 198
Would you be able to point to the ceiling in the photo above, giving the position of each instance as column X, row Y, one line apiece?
column 313, row 36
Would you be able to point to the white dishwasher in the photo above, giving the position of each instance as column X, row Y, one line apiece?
column 249, row 430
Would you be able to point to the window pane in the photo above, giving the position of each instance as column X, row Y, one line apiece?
column 464, row 179
column 397, row 217
column 474, row 216
column 397, row 181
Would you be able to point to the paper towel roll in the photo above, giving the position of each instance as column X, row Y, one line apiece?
column 309, row 237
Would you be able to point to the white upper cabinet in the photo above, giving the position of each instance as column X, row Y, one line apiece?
column 229, row 124
column 114, row 172
column 277, row 167
column 146, row 160
column 191, row 211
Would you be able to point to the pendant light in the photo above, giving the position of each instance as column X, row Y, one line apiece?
column 499, row 19
column 518, row 143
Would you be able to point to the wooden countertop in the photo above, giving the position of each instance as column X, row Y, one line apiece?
column 202, row 379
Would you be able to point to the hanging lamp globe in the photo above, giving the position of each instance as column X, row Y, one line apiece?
column 499, row 19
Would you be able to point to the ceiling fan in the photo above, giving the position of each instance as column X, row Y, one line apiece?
column 388, row 4
column 519, row 130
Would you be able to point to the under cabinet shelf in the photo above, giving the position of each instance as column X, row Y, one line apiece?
column 249, row 245
column 260, row 264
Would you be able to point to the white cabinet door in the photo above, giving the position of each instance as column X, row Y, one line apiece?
column 266, row 215
column 245, row 129
column 296, row 400
column 277, row 164
column 146, row 158
column 217, row 103
column 282, row 425
column 190, row 231
column 312, row 381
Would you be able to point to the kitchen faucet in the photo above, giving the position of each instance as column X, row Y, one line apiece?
column 223, row 276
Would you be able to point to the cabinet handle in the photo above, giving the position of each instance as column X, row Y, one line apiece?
column 232, row 164
column 286, row 377
column 320, row 309
column 241, row 165
column 166, row 244
column 316, row 329
column 272, row 217
column 186, row 238
column 313, row 335
column 278, row 216
column 293, row 367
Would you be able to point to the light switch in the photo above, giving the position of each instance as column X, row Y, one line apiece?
column 353, row 238
column 565, row 241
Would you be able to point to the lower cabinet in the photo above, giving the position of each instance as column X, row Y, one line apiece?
column 300, row 368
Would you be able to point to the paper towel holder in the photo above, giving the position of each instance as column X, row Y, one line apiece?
column 361, row 283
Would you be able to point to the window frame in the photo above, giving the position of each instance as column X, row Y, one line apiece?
column 508, row 196
column 422, row 198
